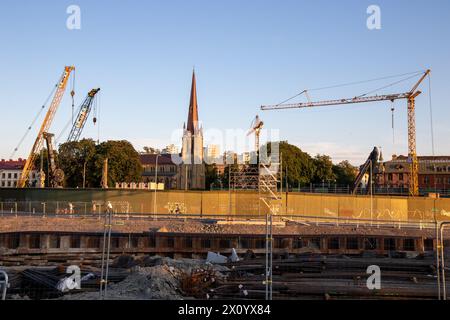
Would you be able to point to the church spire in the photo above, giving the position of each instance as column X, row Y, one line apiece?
column 193, row 108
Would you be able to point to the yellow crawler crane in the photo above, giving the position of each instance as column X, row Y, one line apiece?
column 61, row 88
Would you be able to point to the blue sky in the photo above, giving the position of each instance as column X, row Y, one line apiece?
column 245, row 53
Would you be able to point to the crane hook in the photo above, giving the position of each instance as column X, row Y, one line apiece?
column 392, row 122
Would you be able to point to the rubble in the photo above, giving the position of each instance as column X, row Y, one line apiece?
column 160, row 278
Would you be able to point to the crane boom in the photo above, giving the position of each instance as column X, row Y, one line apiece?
column 61, row 87
column 410, row 96
column 82, row 116
column 300, row 105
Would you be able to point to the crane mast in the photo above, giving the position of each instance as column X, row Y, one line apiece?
column 410, row 96
column 61, row 87
column 82, row 116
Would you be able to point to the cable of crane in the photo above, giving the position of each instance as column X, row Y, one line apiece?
column 61, row 133
column 415, row 73
column 97, row 105
column 387, row 86
column 33, row 122
column 431, row 114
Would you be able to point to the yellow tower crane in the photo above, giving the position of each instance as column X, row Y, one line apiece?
column 60, row 89
column 410, row 96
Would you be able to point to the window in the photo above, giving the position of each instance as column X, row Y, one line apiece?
column 13, row 241
column 93, row 242
column 54, row 241
column 206, row 243
column 400, row 176
column 134, row 242
column 225, row 243
column 35, row 241
column 9, row 175
column 352, row 243
column 15, row 175
column 428, row 244
column 278, row 243
column 115, row 242
column 244, row 243
column 314, row 243
column 75, row 242
column 370, row 243
column 389, row 244
column 260, row 243
column 152, row 241
column 297, row 243
column 333, row 243
column 409, row 245
column 188, row 242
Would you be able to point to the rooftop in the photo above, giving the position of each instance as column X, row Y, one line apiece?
column 12, row 164
column 150, row 159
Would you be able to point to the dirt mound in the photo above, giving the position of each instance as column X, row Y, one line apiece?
column 154, row 278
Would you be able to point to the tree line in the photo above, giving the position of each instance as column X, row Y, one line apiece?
column 82, row 162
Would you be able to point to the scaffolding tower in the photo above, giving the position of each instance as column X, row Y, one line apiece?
column 244, row 177
column 270, row 197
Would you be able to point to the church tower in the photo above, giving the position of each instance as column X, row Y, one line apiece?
column 192, row 170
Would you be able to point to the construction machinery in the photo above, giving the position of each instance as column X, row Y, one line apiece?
column 410, row 96
column 369, row 166
column 56, row 175
column 60, row 89
column 83, row 113
column 256, row 127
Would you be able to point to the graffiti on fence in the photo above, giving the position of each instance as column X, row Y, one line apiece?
column 176, row 207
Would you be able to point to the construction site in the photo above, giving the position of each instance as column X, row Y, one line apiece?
column 251, row 241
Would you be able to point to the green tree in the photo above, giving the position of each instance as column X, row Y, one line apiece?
column 124, row 164
column 345, row 173
column 323, row 169
column 76, row 156
column 150, row 150
column 298, row 164
column 211, row 176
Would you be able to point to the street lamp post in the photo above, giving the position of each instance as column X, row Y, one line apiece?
column 156, row 184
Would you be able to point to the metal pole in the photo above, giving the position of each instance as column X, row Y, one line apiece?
column 229, row 190
column 271, row 256
column 84, row 175
column 444, row 291
column 438, row 271
column 156, row 184
column 107, row 252
column 103, row 257
column 267, row 256
column 441, row 247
